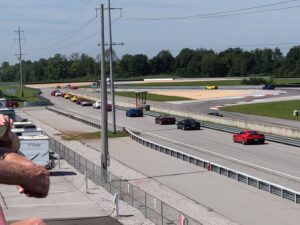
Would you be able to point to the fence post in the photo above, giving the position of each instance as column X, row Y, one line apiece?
column 145, row 205
column 86, row 180
column 131, row 195
column 162, row 212
column 59, row 161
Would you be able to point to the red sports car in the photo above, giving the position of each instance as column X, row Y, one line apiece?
column 249, row 136
column 165, row 119
column 12, row 104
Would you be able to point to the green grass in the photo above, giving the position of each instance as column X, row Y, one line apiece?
column 28, row 93
column 93, row 135
column 190, row 83
column 283, row 110
column 154, row 97
column 287, row 81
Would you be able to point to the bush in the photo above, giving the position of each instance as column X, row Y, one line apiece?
column 254, row 81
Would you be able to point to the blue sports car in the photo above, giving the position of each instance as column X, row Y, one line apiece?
column 134, row 113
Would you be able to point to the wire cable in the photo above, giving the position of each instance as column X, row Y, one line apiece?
column 66, row 19
column 217, row 14
column 70, row 35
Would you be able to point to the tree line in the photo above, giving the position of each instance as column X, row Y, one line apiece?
column 188, row 63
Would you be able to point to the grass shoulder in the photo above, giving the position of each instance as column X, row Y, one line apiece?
column 92, row 135
column 282, row 109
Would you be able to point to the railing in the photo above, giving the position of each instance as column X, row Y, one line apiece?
column 230, row 173
column 152, row 208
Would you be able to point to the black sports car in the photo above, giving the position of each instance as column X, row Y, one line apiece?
column 188, row 124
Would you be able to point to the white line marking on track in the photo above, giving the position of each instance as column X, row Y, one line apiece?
column 226, row 157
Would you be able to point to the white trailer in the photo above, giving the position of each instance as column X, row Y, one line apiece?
column 36, row 148
column 27, row 131
column 21, row 124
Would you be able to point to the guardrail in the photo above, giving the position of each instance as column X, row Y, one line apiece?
column 239, row 176
column 272, row 188
column 74, row 117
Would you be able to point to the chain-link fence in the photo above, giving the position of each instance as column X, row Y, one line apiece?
column 152, row 208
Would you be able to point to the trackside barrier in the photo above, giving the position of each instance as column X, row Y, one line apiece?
column 75, row 118
column 230, row 173
column 272, row 188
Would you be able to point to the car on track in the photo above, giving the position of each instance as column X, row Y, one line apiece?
column 12, row 103
column 211, row 87
column 188, row 124
column 74, row 98
column 134, row 112
column 58, row 93
column 249, row 136
column 73, row 87
column 79, row 100
column 58, row 86
column 165, row 119
column 215, row 114
column 97, row 105
column 86, row 103
column 67, row 96
column 268, row 87
column 53, row 92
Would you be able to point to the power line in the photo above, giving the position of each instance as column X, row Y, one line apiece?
column 66, row 19
column 70, row 35
column 219, row 14
column 77, row 42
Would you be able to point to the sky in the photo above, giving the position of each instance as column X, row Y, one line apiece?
column 145, row 26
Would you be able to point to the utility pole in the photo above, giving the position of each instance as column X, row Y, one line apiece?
column 20, row 59
column 112, row 88
column 104, row 136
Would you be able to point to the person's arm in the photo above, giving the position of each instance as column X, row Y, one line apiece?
column 17, row 170
column 9, row 141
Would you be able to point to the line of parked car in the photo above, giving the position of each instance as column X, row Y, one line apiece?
column 79, row 100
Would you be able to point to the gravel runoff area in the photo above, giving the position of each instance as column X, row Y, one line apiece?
column 199, row 212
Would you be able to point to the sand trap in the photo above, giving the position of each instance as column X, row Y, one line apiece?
column 53, row 85
column 203, row 94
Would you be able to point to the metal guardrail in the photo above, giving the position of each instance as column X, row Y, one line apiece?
column 239, row 176
column 77, row 118
column 152, row 208
column 230, row 173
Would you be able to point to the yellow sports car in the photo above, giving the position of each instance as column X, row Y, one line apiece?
column 74, row 98
column 67, row 96
column 211, row 87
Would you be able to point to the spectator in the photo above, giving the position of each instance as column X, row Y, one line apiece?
column 15, row 169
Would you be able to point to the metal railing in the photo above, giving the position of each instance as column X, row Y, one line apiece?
column 230, row 173
column 152, row 208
